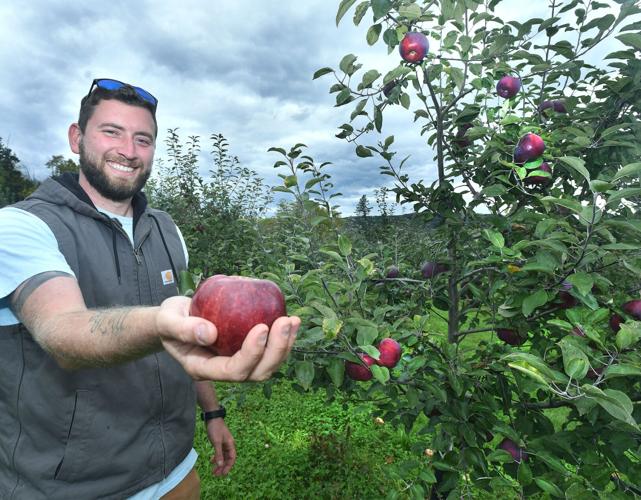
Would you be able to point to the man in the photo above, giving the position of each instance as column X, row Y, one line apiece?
column 98, row 354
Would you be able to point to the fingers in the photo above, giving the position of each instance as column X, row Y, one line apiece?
column 280, row 342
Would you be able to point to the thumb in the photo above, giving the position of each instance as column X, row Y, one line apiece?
column 199, row 331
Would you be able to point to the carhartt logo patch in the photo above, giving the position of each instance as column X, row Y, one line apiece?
column 167, row 277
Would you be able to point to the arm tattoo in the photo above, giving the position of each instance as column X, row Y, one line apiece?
column 109, row 322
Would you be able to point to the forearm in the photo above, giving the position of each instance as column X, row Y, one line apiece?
column 98, row 337
column 206, row 396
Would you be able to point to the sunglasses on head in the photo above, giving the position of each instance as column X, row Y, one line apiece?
column 109, row 84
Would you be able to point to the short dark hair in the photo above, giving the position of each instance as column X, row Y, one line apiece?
column 126, row 94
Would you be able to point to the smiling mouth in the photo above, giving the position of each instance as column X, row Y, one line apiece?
column 120, row 167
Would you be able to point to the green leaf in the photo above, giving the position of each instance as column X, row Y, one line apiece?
column 599, row 186
column 629, row 169
column 380, row 8
column 524, row 473
column 531, row 302
column 373, row 33
column 616, row 403
column 321, row 72
column 343, row 8
column 549, row 488
column 631, row 39
column 378, row 118
column 582, row 281
column 411, row 11
column 290, row 181
column 622, row 370
column 628, row 335
column 623, row 193
column 344, row 245
column 528, row 370
column 575, row 362
column 347, row 63
column 538, row 364
column 494, row 237
column 332, row 327
column 369, row 78
column 381, row 373
column 362, row 151
column 573, row 205
column 336, row 371
column 304, row 373
column 366, row 335
column 186, row 285
column 577, row 164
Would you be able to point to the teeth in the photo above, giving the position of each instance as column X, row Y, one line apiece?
column 120, row 167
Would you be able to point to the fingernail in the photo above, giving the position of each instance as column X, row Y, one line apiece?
column 201, row 333
column 263, row 339
column 287, row 330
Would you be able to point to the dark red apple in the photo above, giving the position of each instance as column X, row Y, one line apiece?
column 432, row 269
column 513, row 449
column 594, row 373
column 460, row 140
column 392, row 272
column 577, row 331
column 413, row 47
column 390, row 351
column 567, row 300
column 556, row 105
column 529, row 148
column 508, row 86
column 357, row 371
column 510, row 336
column 388, row 87
column 633, row 308
column 539, row 179
column 615, row 322
column 235, row 304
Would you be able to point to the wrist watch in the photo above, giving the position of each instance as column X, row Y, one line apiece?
column 210, row 415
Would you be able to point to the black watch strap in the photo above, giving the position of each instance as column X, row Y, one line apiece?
column 210, row 415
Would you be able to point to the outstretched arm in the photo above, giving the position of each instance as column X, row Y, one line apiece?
column 57, row 317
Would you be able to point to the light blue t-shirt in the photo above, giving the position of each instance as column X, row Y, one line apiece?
column 29, row 247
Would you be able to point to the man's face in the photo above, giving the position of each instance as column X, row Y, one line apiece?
column 117, row 149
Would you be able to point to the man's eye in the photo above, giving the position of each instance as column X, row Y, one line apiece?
column 111, row 132
column 144, row 141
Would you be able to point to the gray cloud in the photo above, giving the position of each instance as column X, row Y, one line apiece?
column 243, row 68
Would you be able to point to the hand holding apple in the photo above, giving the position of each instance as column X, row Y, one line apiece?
column 235, row 304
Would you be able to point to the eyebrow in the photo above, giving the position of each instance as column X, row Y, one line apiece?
column 120, row 127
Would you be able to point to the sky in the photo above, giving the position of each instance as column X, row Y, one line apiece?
column 242, row 68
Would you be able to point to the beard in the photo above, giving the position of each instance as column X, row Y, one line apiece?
column 112, row 189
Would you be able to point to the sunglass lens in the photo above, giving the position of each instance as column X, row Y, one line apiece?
column 146, row 95
column 109, row 84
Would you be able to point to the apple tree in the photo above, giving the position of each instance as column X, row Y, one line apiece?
column 521, row 368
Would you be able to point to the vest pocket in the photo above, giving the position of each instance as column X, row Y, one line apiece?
column 76, row 458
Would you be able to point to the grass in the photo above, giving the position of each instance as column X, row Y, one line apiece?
column 299, row 446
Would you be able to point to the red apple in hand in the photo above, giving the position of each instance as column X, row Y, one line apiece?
column 508, row 86
column 414, row 47
column 390, row 352
column 529, row 148
column 357, row 371
column 236, row 304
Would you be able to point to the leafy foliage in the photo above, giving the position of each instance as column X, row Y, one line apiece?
column 14, row 184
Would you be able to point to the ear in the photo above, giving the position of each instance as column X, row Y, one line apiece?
column 75, row 136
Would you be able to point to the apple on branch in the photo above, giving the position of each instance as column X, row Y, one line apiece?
column 413, row 47
column 529, row 148
column 508, row 86
column 235, row 304
column 390, row 352
column 358, row 371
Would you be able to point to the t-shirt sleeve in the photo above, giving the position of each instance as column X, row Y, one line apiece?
column 182, row 240
column 27, row 247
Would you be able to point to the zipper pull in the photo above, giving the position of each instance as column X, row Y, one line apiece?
column 137, row 255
